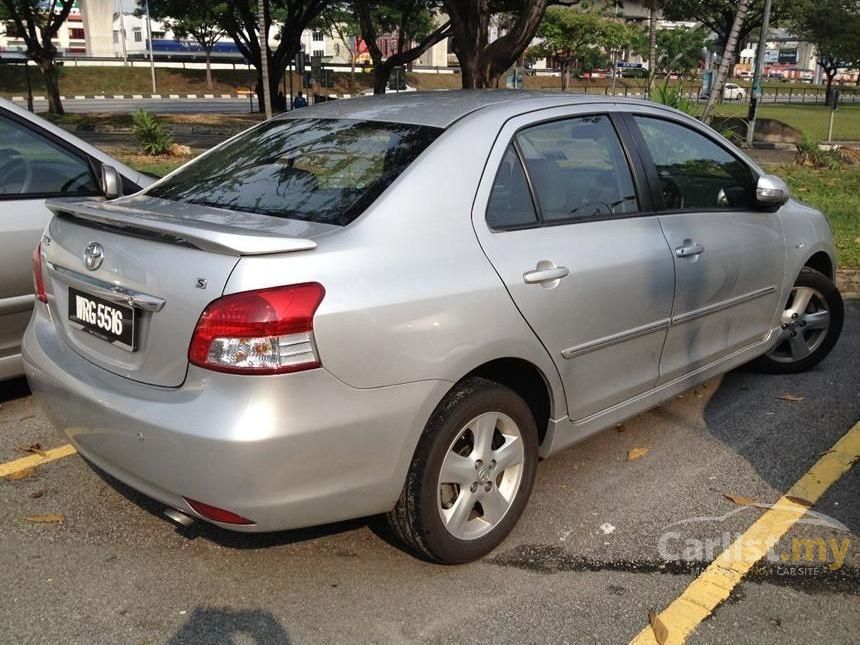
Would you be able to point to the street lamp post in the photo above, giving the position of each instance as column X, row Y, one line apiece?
column 759, row 65
column 149, row 38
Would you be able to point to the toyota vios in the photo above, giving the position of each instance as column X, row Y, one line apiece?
column 398, row 304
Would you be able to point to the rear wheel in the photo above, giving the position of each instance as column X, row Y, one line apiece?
column 811, row 324
column 471, row 475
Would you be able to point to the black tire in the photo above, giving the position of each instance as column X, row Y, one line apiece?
column 771, row 364
column 416, row 519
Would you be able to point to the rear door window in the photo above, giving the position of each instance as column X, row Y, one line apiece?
column 321, row 170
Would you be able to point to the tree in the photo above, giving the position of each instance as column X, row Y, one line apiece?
column 679, row 51
column 653, row 10
column 292, row 17
column 199, row 21
column 37, row 22
column 339, row 21
column 833, row 26
column 407, row 21
column 719, row 16
column 568, row 37
column 482, row 62
column 726, row 59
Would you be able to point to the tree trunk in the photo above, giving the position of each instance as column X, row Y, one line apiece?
column 482, row 63
column 352, row 75
column 381, row 73
column 565, row 75
column 52, row 85
column 652, row 47
column 209, row 84
column 726, row 59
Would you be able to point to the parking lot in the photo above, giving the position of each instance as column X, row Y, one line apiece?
column 609, row 534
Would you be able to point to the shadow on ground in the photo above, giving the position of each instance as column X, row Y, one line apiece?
column 796, row 432
column 14, row 389
column 211, row 625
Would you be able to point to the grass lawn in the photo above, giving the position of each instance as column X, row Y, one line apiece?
column 124, row 80
column 232, row 122
column 152, row 165
column 837, row 194
column 809, row 119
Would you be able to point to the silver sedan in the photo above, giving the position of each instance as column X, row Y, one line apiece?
column 40, row 161
column 398, row 304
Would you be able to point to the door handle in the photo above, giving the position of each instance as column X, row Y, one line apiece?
column 543, row 275
column 689, row 250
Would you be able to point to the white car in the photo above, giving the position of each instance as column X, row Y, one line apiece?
column 391, row 88
column 734, row 92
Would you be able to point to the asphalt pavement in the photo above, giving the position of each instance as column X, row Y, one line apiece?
column 598, row 546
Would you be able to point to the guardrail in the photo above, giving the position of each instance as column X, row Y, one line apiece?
column 802, row 95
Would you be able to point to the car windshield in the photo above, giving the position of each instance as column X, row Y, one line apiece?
column 319, row 170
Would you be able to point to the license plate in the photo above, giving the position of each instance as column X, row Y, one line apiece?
column 106, row 320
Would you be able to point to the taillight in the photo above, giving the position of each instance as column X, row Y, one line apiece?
column 268, row 331
column 217, row 514
column 38, row 278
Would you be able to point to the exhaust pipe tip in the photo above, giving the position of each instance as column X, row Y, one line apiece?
column 179, row 517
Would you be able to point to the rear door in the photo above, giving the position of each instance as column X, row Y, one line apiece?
column 559, row 216
column 729, row 256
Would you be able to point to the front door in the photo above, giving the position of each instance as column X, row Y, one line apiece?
column 729, row 256
column 32, row 168
column 561, row 221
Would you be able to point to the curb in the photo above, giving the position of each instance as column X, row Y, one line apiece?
column 848, row 282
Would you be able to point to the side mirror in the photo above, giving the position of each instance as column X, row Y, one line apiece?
column 111, row 182
column 771, row 191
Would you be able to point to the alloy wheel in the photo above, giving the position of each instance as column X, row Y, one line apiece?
column 480, row 475
column 805, row 322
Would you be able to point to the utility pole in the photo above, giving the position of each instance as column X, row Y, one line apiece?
column 264, row 57
column 759, row 68
column 149, row 39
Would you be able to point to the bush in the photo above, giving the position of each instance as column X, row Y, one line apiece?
column 810, row 153
column 152, row 138
column 673, row 97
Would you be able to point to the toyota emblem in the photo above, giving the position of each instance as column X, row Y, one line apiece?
column 94, row 254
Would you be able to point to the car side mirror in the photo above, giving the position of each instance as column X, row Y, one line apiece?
column 111, row 182
column 771, row 191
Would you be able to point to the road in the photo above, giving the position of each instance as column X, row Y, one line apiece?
column 583, row 565
column 158, row 106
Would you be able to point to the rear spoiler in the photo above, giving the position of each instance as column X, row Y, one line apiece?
column 213, row 237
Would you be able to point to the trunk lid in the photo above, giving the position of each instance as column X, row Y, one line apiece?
column 165, row 260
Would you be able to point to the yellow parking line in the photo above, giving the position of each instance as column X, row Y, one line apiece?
column 31, row 461
column 715, row 584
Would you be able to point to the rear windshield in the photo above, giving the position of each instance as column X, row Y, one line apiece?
column 317, row 170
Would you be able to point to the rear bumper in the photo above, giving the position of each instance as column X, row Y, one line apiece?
column 284, row 451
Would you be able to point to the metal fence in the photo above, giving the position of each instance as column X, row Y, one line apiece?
column 798, row 95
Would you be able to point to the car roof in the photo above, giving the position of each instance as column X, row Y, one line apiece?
column 442, row 108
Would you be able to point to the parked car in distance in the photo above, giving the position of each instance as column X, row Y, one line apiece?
column 746, row 76
column 398, row 304
column 40, row 161
column 393, row 88
column 734, row 92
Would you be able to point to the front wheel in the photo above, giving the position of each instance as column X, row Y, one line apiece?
column 471, row 475
column 811, row 324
